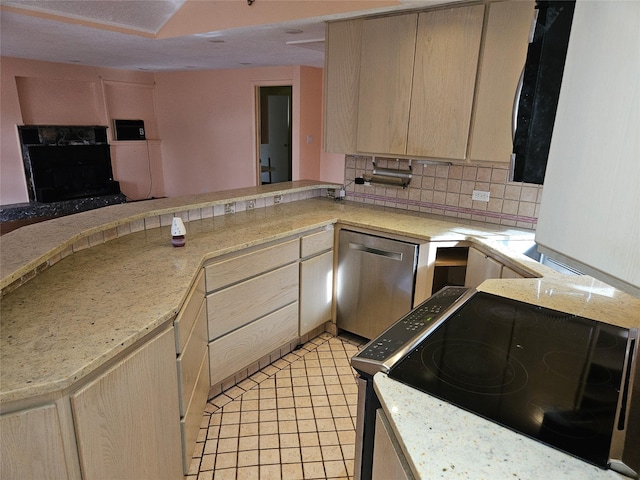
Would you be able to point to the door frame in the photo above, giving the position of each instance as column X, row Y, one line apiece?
column 258, row 123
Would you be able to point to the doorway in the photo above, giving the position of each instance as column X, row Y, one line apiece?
column 274, row 132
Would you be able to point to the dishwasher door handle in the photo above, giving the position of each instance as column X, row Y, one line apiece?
column 375, row 251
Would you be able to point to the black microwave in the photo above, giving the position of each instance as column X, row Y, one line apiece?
column 129, row 129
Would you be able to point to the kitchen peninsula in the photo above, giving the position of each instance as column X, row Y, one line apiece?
column 79, row 292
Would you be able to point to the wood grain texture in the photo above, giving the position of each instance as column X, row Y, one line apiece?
column 316, row 243
column 250, row 343
column 447, row 49
column 240, row 304
column 342, row 76
column 316, row 290
column 31, row 445
column 386, row 71
column 503, row 57
column 238, row 268
column 128, row 420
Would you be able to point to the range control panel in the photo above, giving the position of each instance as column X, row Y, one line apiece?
column 407, row 332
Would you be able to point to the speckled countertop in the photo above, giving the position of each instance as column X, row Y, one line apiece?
column 72, row 317
column 442, row 441
column 461, row 445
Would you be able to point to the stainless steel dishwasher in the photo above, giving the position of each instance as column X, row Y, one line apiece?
column 375, row 282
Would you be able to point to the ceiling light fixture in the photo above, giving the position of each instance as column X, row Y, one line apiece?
column 293, row 31
column 250, row 2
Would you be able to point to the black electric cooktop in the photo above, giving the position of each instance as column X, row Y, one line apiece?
column 552, row 376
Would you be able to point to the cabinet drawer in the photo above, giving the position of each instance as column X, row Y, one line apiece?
column 240, row 304
column 316, row 243
column 189, row 312
column 250, row 343
column 236, row 269
column 190, row 422
column 190, row 359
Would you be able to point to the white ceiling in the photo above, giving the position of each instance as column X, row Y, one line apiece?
column 29, row 34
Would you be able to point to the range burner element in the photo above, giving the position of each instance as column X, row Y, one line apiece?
column 548, row 375
column 474, row 367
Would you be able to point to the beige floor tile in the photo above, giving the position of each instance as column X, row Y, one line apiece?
column 311, row 454
column 313, row 470
column 328, row 438
column 270, row 456
column 248, row 443
column 288, row 426
column 309, row 439
column 292, row 420
column 268, row 428
column 288, row 440
column 248, row 458
column 226, row 460
column 248, row 473
column 208, row 462
column 270, row 472
column 226, row 445
column 292, row 471
column 290, row 455
column 335, row 469
column 331, row 452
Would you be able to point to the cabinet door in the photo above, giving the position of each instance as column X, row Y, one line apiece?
column 316, row 290
column 386, row 71
column 342, row 76
column 447, row 48
column 502, row 61
column 388, row 459
column 31, row 445
column 480, row 267
column 509, row 273
column 128, row 420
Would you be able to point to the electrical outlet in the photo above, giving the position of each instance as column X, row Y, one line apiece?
column 480, row 196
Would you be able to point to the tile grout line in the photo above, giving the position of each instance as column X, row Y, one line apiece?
column 318, row 353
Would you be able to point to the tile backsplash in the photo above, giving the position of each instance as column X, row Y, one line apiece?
column 444, row 189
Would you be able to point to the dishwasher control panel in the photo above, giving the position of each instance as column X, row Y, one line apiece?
column 380, row 353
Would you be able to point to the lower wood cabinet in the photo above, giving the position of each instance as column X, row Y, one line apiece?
column 127, row 420
column 481, row 267
column 248, row 344
column 31, row 445
column 388, row 460
column 316, row 291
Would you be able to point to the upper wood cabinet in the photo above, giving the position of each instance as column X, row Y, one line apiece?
column 444, row 76
column 417, row 78
column 503, row 57
column 341, row 79
column 436, row 84
column 386, row 72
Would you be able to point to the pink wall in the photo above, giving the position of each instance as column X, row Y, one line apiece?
column 34, row 92
column 208, row 128
column 200, row 125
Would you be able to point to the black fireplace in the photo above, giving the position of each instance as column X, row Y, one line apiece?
column 67, row 162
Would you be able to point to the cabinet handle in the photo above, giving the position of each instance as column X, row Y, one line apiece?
column 375, row 251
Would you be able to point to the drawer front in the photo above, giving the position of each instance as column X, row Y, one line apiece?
column 191, row 420
column 316, row 243
column 240, row 304
column 190, row 359
column 189, row 312
column 249, row 344
column 236, row 269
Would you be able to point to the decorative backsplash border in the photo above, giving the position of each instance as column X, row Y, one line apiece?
column 146, row 222
column 447, row 190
